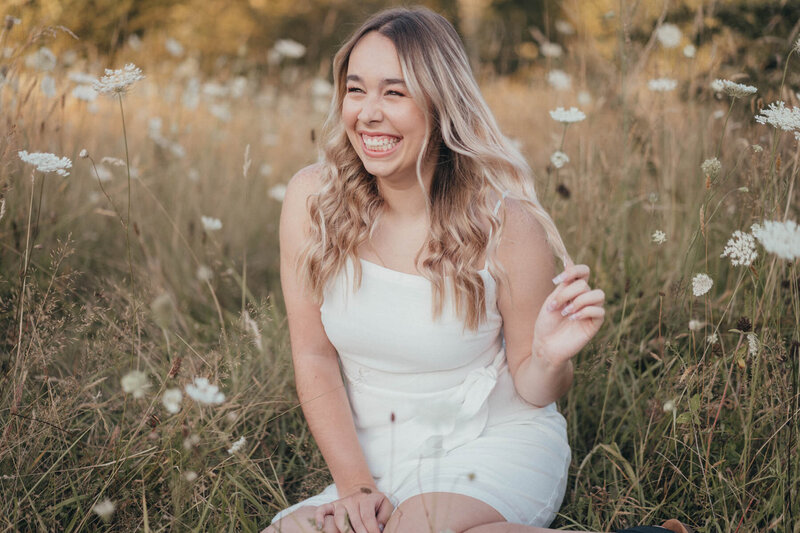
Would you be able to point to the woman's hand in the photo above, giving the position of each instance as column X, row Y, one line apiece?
column 366, row 510
column 570, row 316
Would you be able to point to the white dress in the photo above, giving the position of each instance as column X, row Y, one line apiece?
column 434, row 404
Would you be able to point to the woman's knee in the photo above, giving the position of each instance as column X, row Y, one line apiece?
column 440, row 511
column 301, row 521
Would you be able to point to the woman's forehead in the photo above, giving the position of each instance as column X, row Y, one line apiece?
column 375, row 56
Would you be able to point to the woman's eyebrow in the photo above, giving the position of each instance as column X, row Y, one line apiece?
column 385, row 81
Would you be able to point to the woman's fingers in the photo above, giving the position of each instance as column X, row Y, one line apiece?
column 595, row 297
column 564, row 293
column 572, row 272
column 590, row 311
column 321, row 512
column 368, row 516
column 385, row 511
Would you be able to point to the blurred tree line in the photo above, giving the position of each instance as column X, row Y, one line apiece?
column 502, row 34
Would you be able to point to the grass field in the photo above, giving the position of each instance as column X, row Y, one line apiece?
column 683, row 406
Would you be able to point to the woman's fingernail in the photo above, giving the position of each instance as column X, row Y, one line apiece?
column 567, row 310
column 573, row 316
column 558, row 279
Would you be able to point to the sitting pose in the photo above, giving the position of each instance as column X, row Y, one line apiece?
column 430, row 333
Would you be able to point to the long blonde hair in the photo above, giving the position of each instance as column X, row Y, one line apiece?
column 476, row 165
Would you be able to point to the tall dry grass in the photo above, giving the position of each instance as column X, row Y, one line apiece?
column 662, row 422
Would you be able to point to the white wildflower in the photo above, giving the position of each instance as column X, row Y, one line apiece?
column 659, row 237
column 584, row 98
column 701, row 284
column 47, row 162
column 567, row 116
column 695, row 325
column 48, row 86
column 277, row 192
column 2, row 208
column 735, row 90
column 669, row 406
column 289, row 49
column 741, row 249
column 118, row 81
column 172, row 400
column 779, row 238
column 43, row 60
column 265, row 169
column 83, row 154
column 163, row 310
column 191, row 441
column 752, row 343
column 253, row 327
column 85, row 93
column 236, row 446
column 559, row 80
column 135, row 42
column 712, row 339
column 204, row 392
column 711, row 168
column 211, row 223
column 689, row 51
column 718, row 114
column 135, row 382
column 221, row 111
column 190, row 475
column 174, row 48
column 562, row 26
column 559, row 159
column 669, row 35
column 662, row 85
column 115, row 161
column 204, row 273
column 81, row 78
column 103, row 174
column 104, row 509
column 549, row 49
column 797, row 46
column 321, row 88
column 780, row 116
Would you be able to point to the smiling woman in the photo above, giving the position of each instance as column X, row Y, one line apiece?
column 430, row 338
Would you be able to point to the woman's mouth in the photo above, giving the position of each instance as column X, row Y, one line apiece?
column 379, row 144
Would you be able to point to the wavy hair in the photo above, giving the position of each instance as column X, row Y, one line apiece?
column 476, row 166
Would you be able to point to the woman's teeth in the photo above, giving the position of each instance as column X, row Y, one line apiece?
column 380, row 144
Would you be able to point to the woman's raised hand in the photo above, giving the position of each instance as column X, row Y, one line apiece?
column 570, row 316
column 366, row 510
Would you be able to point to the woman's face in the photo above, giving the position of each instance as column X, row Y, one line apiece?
column 384, row 124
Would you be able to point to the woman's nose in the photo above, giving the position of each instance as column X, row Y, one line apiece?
column 370, row 110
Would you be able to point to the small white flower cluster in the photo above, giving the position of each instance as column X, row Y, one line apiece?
column 559, row 159
column 211, row 224
column 236, row 446
column 548, row 49
column 752, row 343
column 173, row 47
column 567, row 116
column 689, row 51
column 701, row 284
column 47, row 162
column 204, row 392
column 779, row 238
column 104, row 509
column 741, row 249
column 278, row 192
column 118, row 81
column 172, row 400
column 781, row 117
column 286, row 48
column 695, row 325
column 659, row 237
column 662, row 85
column 559, row 80
column 135, row 382
column 711, row 168
column 732, row 89
column 712, row 339
column 669, row 35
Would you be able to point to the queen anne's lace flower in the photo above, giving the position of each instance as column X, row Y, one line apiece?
column 780, row 116
column 559, row 159
column 236, row 446
column 211, row 224
column 172, row 400
column 46, row 162
column 659, row 237
column 289, row 49
column 669, row 35
column 135, row 382
column 118, row 81
column 689, row 51
column 735, row 90
column 695, row 325
column 711, row 168
column 204, row 392
column 559, row 80
column 779, row 238
column 701, row 284
column 278, row 192
column 741, row 249
column 567, row 116
column 712, row 339
column 662, row 85
column 104, row 509
column 549, row 49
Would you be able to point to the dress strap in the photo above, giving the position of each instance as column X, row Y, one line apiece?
column 496, row 209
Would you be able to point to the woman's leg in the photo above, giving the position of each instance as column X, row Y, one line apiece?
column 435, row 512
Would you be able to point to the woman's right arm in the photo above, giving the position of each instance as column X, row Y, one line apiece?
column 319, row 383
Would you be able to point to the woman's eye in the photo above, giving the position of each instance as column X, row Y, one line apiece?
column 395, row 93
column 353, row 89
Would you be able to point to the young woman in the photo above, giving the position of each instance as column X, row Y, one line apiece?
column 430, row 333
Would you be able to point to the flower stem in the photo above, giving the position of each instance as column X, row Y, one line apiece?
column 128, row 229
column 724, row 127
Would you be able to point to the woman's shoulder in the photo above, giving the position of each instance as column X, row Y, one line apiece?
column 306, row 179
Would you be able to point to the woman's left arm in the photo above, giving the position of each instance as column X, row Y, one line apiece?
column 544, row 324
